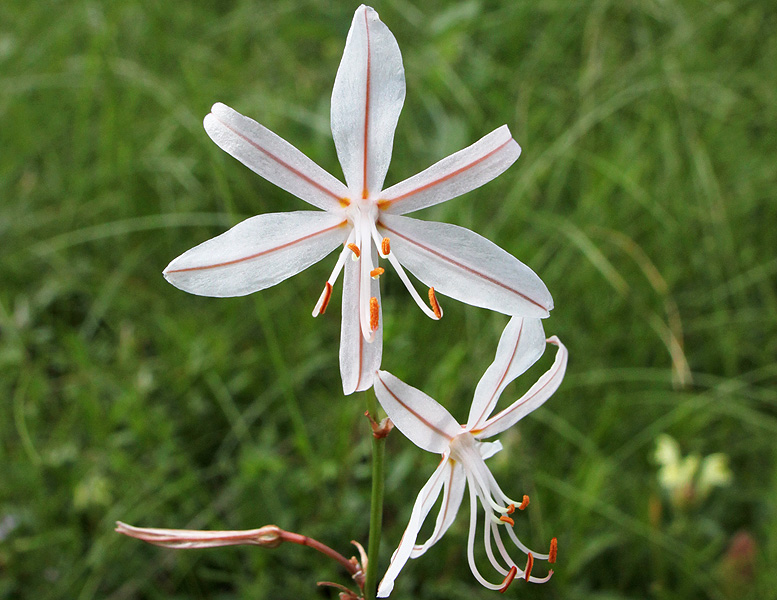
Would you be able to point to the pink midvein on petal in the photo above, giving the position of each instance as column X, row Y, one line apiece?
column 412, row 412
column 366, row 106
column 510, row 409
column 258, row 254
column 461, row 266
column 387, row 202
column 504, row 374
column 282, row 162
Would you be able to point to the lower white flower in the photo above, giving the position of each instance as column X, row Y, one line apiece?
column 431, row 427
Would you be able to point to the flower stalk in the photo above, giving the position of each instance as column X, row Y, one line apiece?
column 379, row 433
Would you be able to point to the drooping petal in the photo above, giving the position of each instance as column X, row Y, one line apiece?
column 359, row 359
column 461, row 264
column 422, row 419
column 257, row 253
column 274, row 158
column 453, row 492
column 455, row 175
column 367, row 98
column 534, row 398
column 521, row 345
column 423, row 504
column 488, row 449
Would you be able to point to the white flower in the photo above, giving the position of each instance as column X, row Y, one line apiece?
column 361, row 217
column 431, row 427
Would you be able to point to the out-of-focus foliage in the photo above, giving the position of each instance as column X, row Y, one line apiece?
column 645, row 198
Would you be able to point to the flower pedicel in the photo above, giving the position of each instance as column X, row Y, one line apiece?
column 361, row 217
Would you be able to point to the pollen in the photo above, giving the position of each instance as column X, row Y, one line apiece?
column 434, row 304
column 355, row 249
column 511, row 509
column 508, row 579
column 323, row 301
column 524, row 503
column 385, row 246
column 374, row 313
column 529, row 565
column 553, row 551
column 506, row 519
column 377, row 272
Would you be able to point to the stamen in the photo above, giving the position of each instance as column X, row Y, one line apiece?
column 323, row 300
column 355, row 249
column 385, row 246
column 524, row 503
column 529, row 565
column 374, row 313
column 509, row 579
column 511, row 509
column 508, row 520
column 377, row 272
column 553, row 551
column 434, row 304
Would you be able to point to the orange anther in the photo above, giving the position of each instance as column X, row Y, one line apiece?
column 355, row 249
column 377, row 272
column 529, row 565
column 508, row 579
column 506, row 519
column 323, row 301
column 374, row 313
column 385, row 246
column 553, row 551
column 524, row 503
column 435, row 305
column 511, row 509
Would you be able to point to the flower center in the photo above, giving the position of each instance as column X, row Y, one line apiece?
column 362, row 212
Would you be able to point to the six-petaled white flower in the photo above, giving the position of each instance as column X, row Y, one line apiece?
column 364, row 219
column 431, row 427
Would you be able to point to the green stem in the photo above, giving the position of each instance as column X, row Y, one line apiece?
column 376, row 503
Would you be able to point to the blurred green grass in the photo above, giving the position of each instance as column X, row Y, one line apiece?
column 645, row 198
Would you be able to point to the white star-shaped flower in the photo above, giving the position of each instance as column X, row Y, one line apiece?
column 361, row 217
column 431, row 427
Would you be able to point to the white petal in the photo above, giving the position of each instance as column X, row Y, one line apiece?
column 257, row 253
column 488, row 449
column 274, row 158
column 422, row 419
column 461, row 264
column 455, row 175
column 367, row 98
column 453, row 492
column 521, row 345
column 423, row 504
column 359, row 359
column 534, row 398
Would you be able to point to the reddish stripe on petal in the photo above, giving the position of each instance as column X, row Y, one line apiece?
column 412, row 412
column 366, row 107
column 461, row 266
column 258, row 254
column 285, row 165
column 383, row 204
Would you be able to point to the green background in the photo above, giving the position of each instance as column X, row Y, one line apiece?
column 644, row 198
